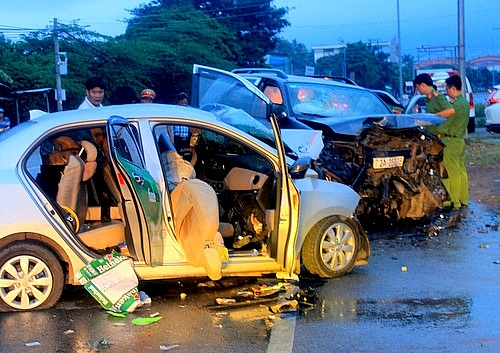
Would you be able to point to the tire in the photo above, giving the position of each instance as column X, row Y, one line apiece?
column 31, row 277
column 331, row 247
column 471, row 127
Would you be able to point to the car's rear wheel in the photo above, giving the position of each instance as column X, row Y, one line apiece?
column 31, row 277
column 471, row 127
column 331, row 247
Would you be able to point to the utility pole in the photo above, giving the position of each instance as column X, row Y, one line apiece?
column 58, row 68
column 400, row 59
column 461, row 42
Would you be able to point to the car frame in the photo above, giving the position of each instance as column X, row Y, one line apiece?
column 308, row 221
column 390, row 100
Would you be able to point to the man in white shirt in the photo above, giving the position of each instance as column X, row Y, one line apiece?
column 94, row 88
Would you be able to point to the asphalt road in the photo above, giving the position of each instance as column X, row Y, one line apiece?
column 426, row 289
column 481, row 133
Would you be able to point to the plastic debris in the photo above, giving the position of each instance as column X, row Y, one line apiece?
column 145, row 299
column 284, row 305
column 225, row 301
column 404, row 269
column 32, row 344
column 115, row 314
column 67, row 332
column 112, row 281
column 154, row 314
column 167, row 348
column 104, row 344
column 140, row 321
column 183, row 296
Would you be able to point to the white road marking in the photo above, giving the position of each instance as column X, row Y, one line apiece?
column 282, row 334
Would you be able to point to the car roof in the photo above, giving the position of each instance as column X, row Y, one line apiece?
column 33, row 129
column 128, row 111
column 282, row 76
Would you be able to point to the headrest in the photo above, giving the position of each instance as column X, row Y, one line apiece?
column 90, row 163
column 90, row 149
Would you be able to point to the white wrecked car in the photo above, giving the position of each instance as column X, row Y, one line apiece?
column 77, row 185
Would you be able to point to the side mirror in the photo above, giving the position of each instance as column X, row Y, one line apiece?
column 280, row 111
column 299, row 168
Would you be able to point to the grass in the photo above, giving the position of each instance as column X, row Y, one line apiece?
column 482, row 152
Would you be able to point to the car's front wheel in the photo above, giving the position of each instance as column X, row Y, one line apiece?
column 331, row 247
column 31, row 277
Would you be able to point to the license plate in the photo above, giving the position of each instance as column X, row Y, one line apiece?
column 388, row 162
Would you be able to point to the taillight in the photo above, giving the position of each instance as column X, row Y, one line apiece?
column 492, row 99
column 471, row 100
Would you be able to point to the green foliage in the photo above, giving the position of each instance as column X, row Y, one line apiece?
column 366, row 64
column 167, row 41
column 256, row 24
column 298, row 56
column 479, row 108
column 482, row 152
column 163, row 40
column 482, row 79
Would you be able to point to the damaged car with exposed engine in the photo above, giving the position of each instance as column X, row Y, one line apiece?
column 389, row 159
column 80, row 185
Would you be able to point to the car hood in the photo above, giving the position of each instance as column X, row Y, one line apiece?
column 354, row 126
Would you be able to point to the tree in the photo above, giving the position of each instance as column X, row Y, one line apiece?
column 168, row 40
column 297, row 53
column 163, row 40
column 366, row 64
column 331, row 65
column 256, row 24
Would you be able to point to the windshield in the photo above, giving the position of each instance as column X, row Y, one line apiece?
column 241, row 120
column 333, row 101
column 215, row 87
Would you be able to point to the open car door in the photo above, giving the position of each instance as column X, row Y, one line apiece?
column 213, row 86
column 141, row 194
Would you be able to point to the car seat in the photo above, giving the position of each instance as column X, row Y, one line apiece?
column 196, row 212
column 73, row 198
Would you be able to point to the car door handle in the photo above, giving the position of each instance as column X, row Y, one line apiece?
column 138, row 179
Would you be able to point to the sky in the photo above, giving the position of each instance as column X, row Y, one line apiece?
column 423, row 23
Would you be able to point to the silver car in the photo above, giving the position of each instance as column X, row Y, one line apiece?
column 76, row 185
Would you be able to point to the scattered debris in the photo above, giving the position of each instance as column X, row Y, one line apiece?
column 32, row 344
column 103, row 344
column 183, row 296
column 141, row 321
column 145, row 299
column 67, row 332
column 404, row 269
column 284, row 305
column 112, row 281
column 115, row 314
column 167, row 348
column 225, row 301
